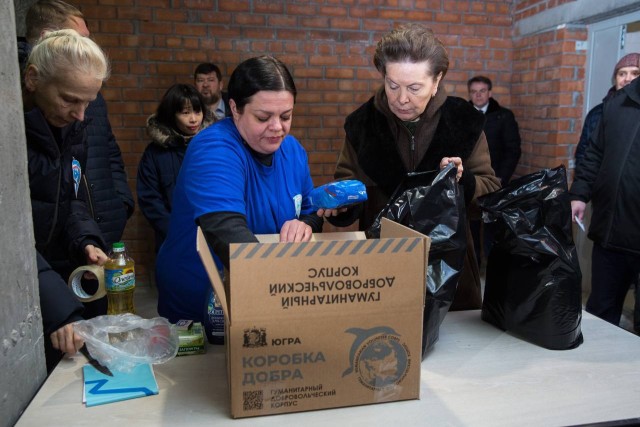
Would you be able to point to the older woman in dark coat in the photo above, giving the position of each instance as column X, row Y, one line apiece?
column 411, row 125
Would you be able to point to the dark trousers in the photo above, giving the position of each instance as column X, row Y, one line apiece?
column 612, row 273
column 482, row 239
column 636, row 308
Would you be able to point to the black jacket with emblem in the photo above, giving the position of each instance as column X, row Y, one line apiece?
column 61, row 221
column 110, row 200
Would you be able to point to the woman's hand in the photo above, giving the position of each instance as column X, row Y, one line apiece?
column 330, row 212
column 295, row 231
column 65, row 340
column 456, row 161
column 95, row 255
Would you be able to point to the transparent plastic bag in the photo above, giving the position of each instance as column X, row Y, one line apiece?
column 123, row 341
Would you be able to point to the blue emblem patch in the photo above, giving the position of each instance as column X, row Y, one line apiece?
column 76, row 172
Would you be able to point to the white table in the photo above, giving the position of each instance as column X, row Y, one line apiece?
column 476, row 376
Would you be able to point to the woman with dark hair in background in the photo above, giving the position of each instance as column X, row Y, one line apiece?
column 181, row 114
column 242, row 176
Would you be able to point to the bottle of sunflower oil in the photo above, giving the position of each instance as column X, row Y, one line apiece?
column 120, row 280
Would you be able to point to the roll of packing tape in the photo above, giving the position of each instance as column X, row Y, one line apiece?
column 75, row 283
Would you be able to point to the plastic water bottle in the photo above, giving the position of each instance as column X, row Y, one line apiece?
column 120, row 280
column 213, row 319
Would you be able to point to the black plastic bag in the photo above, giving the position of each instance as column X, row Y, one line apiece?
column 435, row 209
column 533, row 280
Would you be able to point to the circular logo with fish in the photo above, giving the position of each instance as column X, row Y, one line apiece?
column 378, row 357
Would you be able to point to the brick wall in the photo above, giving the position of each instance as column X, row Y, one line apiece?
column 328, row 46
column 547, row 95
column 547, row 89
column 526, row 8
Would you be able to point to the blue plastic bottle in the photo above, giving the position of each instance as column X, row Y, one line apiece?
column 213, row 319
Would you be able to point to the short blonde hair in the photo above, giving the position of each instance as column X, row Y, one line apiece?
column 65, row 51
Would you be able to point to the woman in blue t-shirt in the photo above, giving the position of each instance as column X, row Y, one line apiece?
column 241, row 176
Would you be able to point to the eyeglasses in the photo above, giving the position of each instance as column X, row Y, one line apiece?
column 482, row 91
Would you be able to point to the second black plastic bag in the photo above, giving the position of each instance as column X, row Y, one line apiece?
column 432, row 203
column 533, row 280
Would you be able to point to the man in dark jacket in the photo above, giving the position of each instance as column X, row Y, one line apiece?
column 609, row 177
column 626, row 70
column 109, row 193
column 500, row 128
column 503, row 137
column 207, row 78
column 110, row 201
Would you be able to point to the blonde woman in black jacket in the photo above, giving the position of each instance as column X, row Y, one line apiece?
column 109, row 198
column 63, row 74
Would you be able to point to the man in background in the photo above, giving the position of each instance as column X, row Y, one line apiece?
column 208, row 80
column 608, row 177
column 625, row 71
column 503, row 137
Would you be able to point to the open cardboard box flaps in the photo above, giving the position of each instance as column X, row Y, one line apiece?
column 336, row 321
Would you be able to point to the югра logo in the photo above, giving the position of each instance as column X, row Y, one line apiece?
column 254, row 337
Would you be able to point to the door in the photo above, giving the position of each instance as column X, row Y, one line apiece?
column 608, row 41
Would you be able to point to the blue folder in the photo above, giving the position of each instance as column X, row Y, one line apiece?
column 100, row 388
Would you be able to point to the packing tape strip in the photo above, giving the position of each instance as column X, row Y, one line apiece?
column 75, row 283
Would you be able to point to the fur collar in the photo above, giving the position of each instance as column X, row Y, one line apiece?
column 370, row 132
column 166, row 137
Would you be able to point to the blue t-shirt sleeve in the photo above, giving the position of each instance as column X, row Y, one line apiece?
column 214, row 173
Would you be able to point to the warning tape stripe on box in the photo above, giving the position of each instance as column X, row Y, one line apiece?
column 324, row 248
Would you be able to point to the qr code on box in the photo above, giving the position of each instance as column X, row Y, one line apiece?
column 252, row 400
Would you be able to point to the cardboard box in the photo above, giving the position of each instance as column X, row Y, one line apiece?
column 322, row 324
